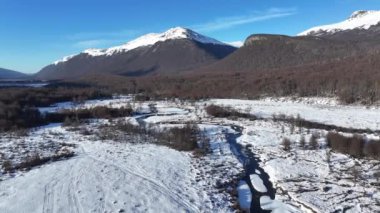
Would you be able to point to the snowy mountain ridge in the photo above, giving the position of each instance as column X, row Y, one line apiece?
column 148, row 40
column 358, row 20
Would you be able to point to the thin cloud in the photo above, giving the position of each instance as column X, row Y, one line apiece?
column 98, row 43
column 90, row 43
column 85, row 40
column 102, row 35
column 229, row 22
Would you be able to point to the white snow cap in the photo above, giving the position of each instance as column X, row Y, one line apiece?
column 151, row 39
column 64, row 59
column 358, row 20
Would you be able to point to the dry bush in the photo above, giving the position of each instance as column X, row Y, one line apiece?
column 302, row 142
column 36, row 160
column 18, row 105
column 286, row 144
column 313, row 142
column 180, row 138
column 356, row 146
column 7, row 166
column 32, row 161
column 226, row 112
column 372, row 149
column 72, row 117
column 72, row 122
column 337, row 142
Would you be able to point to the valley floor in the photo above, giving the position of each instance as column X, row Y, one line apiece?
column 134, row 175
column 106, row 177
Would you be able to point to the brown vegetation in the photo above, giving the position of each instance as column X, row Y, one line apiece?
column 180, row 138
column 75, row 115
column 357, row 145
column 18, row 105
column 352, row 79
column 286, row 144
column 226, row 112
column 35, row 160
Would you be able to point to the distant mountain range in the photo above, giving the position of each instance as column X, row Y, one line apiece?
column 339, row 59
column 359, row 21
column 171, row 52
column 11, row 74
column 357, row 36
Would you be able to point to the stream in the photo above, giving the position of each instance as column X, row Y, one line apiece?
column 245, row 157
column 251, row 167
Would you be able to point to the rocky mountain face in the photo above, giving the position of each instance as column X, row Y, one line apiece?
column 171, row 52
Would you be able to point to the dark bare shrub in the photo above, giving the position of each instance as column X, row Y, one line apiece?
column 183, row 139
column 7, row 166
column 73, row 116
column 70, row 122
column 355, row 173
column 337, row 142
column 313, row 142
column 286, row 144
column 226, row 112
column 356, row 146
column 372, row 149
column 303, row 142
column 376, row 175
column 328, row 158
column 32, row 161
column 141, row 97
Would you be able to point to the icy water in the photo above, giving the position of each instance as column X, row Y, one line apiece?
column 22, row 84
column 251, row 167
column 250, row 162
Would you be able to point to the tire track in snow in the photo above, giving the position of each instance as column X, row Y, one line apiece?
column 159, row 187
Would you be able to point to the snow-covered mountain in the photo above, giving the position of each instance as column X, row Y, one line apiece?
column 359, row 20
column 173, row 51
column 148, row 40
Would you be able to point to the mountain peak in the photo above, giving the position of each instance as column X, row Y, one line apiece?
column 148, row 40
column 361, row 13
column 361, row 19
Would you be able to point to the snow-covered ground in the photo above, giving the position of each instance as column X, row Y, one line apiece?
column 322, row 110
column 306, row 178
column 116, row 102
column 112, row 176
column 106, row 176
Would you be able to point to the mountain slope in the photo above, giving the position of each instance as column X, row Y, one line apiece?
column 10, row 74
column 265, row 52
column 170, row 52
column 357, row 36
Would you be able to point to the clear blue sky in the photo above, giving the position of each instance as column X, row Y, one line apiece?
column 34, row 33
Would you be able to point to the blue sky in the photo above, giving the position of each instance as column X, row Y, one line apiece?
column 34, row 33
